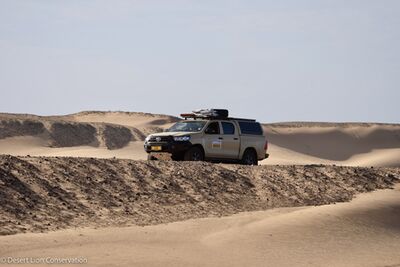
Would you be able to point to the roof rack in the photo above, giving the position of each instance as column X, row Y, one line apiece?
column 199, row 116
column 240, row 119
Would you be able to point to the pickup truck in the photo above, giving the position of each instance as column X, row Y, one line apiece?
column 210, row 136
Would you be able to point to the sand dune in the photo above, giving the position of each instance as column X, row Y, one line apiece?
column 120, row 134
column 134, row 119
column 364, row 232
column 99, row 134
column 89, row 134
column 347, row 144
column 379, row 157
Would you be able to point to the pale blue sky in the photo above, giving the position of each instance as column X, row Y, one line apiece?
column 322, row 60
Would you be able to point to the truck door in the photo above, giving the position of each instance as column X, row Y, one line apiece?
column 230, row 141
column 213, row 140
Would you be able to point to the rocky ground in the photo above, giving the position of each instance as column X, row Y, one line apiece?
column 39, row 194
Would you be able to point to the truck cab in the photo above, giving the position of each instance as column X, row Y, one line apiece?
column 210, row 138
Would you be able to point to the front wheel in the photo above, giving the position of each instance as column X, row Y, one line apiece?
column 151, row 157
column 249, row 157
column 194, row 154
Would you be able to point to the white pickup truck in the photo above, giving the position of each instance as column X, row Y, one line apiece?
column 212, row 136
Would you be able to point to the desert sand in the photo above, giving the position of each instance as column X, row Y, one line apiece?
column 364, row 232
column 78, row 186
column 41, row 194
column 351, row 144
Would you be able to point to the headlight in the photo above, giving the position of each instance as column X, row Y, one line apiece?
column 181, row 138
column 147, row 139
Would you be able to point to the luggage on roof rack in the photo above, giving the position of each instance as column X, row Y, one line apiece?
column 213, row 112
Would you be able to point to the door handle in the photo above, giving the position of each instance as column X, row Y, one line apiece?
column 235, row 138
column 220, row 138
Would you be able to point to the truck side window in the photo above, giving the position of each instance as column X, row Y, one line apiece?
column 213, row 128
column 228, row 127
column 253, row 128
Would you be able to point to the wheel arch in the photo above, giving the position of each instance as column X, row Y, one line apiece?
column 199, row 146
column 247, row 159
column 191, row 155
column 248, row 148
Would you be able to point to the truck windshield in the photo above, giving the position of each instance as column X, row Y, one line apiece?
column 187, row 126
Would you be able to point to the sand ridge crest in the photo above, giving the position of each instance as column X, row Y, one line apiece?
column 49, row 193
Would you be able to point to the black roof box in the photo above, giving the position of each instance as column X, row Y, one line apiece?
column 213, row 112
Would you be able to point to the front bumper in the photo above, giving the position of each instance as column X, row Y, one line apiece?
column 172, row 147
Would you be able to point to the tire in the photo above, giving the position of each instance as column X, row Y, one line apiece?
column 151, row 157
column 177, row 157
column 194, row 154
column 249, row 157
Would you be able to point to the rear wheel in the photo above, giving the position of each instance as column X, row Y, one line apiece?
column 249, row 157
column 194, row 154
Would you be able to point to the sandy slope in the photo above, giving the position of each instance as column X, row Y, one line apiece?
column 41, row 194
column 134, row 119
column 389, row 157
column 36, row 146
column 364, row 232
column 354, row 144
column 19, row 137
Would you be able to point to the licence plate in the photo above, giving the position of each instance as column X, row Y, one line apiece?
column 156, row 148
